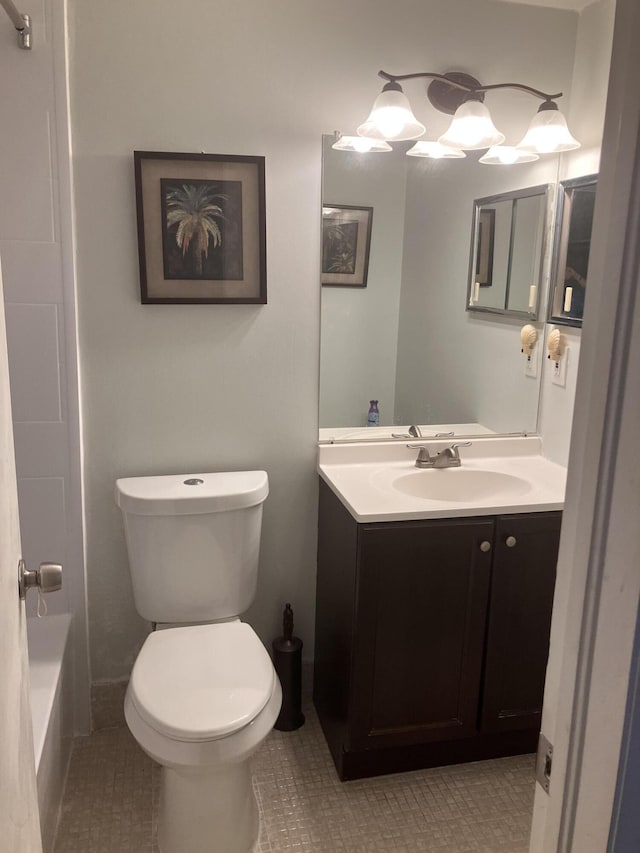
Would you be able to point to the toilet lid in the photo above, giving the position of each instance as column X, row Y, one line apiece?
column 201, row 682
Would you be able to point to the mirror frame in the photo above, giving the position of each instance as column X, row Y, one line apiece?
column 560, row 241
column 528, row 192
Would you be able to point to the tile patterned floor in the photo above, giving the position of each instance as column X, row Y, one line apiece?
column 112, row 793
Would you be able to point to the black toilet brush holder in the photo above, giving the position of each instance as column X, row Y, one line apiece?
column 287, row 661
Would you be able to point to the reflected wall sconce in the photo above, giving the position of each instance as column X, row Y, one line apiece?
column 435, row 150
column 21, row 22
column 528, row 340
column 507, row 155
column 462, row 96
column 360, row 144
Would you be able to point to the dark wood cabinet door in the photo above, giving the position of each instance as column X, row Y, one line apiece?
column 421, row 613
column 522, row 587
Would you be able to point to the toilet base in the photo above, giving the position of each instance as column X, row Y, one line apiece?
column 205, row 811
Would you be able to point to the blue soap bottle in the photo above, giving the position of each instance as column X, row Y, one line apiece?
column 373, row 418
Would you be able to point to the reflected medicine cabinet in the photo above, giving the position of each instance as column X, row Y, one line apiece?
column 574, row 221
column 508, row 244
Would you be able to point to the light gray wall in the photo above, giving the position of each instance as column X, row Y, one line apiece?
column 173, row 389
column 360, row 325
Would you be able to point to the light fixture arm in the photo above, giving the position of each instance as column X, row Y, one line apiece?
column 21, row 22
column 456, row 84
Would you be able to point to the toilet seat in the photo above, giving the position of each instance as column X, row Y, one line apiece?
column 201, row 683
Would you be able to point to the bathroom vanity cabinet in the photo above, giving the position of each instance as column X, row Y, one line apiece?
column 432, row 637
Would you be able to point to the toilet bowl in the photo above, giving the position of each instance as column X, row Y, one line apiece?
column 202, row 697
column 200, row 701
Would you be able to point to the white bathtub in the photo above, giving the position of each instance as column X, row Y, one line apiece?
column 51, row 683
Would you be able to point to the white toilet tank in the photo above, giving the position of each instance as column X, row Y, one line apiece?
column 193, row 543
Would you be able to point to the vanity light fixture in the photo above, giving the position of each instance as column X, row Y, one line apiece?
column 435, row 150
column 361, row 144
column 462, row 96
column 21, row 22
column 391, row 116
column 472, row 127
column 507, row 155
column 548, row 132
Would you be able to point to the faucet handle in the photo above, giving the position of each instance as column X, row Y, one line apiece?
column 425, row 459
column 456, row 445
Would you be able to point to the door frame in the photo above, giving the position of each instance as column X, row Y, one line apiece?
column 598, row 587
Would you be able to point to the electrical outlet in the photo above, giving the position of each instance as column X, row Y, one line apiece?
column 531, row 365
column 559, row 369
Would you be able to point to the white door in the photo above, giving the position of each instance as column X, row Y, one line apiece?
column 19, row 820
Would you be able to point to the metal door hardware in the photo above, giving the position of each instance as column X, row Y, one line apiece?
column 544, row 761
column 47, row 578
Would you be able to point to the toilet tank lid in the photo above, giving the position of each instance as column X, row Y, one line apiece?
column 192, row 494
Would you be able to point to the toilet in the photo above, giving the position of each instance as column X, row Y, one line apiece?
column 203, row 693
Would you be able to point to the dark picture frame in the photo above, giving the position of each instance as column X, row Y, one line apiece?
column 201, row 228
column 346, row 243
column 486, row 241
column 574, row 225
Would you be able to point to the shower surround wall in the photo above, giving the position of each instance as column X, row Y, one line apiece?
column 37, row 265
column 195, row 388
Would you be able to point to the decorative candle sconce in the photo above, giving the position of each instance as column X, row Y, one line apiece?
column 528, row 339
column 555, row 346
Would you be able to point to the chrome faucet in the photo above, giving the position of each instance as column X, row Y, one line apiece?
column 414, row 432
column 447, row 458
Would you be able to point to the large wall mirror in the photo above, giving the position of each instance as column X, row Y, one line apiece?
column 406, row 339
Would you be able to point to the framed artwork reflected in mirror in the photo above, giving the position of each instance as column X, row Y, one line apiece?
column 346, row 242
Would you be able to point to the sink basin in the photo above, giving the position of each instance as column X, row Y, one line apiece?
column 460, row 485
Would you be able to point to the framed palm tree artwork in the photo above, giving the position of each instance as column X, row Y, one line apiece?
column 346, row 241
column 201, row 228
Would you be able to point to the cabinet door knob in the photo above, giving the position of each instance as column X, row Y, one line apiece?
column 511, row 541
column 485, row 546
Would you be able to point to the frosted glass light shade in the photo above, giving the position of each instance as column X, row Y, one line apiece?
column 361, row 144
column 391, row 118
column 548, row 133
column 472, row 128
column 506, row 155
column 435, row 150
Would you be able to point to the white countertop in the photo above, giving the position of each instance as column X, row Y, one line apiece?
column 379, row 433
column 363, row 478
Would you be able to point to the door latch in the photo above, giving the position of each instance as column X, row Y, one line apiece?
column 544, row 761
column 47, row 578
